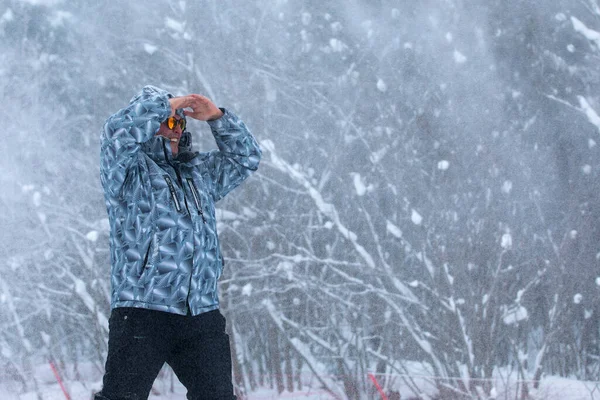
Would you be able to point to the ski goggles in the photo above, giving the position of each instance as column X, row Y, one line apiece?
column 172, row 123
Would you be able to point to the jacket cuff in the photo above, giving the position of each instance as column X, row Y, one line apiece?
column 223, row 123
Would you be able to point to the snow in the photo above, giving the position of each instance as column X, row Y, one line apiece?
column 102, row 225
column 248, row 212
column 27, row 188
column 327, row 209
column 59, row 17
column 376, row 156
column 519, row 296
column 82, row 292
column 286, row 268
column 514, row 315
column 226, row 215
column 48, row 3
column 393, row 229
column 493, row 393
column 591, row 114
column 376, row 87
column 46, row 338
column 336, row 27
column 459, row 57
column 92, row 236
column 6, row 351
column 337, row 45
column 590, row 34
column 37, row 199
column 7, row 16
column 560, row 17
column 174, row 25
column 247, row 289
column 306, row 18
column 415, row 217
column 149, row 48
column 504, row 384
column 359, row 184
column 48, row 254
column 506, row 242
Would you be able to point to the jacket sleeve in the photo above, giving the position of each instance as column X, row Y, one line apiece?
column 238, row 155
column 125, row 131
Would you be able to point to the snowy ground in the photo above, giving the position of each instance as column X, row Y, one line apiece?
column 169, row 388
column 79, row 391
column 166, row 387
column 552, row 389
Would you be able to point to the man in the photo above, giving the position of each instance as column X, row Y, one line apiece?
column 165, row 253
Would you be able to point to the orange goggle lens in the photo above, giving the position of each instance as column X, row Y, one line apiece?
column 172, row 123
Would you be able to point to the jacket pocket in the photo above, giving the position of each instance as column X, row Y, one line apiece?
column 196, row 197
column 173, row 192
column 145, row 263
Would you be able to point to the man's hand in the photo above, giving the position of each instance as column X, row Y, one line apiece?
column 202, row 108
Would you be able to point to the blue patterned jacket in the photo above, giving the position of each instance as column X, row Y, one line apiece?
column 164, row 246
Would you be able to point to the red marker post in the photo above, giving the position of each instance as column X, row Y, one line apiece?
column 377, row 386
column 60, row 382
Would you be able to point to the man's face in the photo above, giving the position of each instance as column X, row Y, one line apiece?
column 172, row 134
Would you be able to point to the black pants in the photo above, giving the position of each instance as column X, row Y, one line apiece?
column 140, row 341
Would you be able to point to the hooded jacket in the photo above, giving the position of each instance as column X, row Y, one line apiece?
column 164, row 247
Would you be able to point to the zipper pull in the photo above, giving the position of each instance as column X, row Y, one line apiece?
column 196, row 196
column 173, row 192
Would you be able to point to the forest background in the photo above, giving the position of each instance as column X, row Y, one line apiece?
column 428, row 194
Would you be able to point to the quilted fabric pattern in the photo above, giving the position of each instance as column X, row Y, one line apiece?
column 165, row 252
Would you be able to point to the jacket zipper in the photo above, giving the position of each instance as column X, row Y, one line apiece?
column 170, row 182
column 146, row 257
column 173, row 193
column 178, row 207
column 196, row 196
column 181, row 184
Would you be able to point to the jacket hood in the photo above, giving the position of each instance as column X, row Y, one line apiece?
column 154, row 146
column 149, row 91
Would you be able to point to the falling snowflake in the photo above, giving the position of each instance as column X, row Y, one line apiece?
column 443, row 165
column 506, row 242
column 416, row 218
column 459, row 57
column 92, row 236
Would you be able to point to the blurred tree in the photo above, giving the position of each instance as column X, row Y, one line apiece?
column 428, row 192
